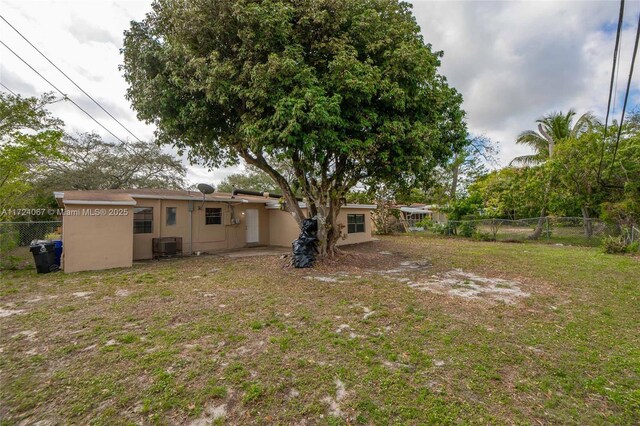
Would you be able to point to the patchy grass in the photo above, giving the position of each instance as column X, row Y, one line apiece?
column 210, row 340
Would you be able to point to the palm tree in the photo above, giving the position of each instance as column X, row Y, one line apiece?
column 553, row 128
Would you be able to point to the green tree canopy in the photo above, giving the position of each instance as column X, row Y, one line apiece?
column 252, row 179
column 616, row 192
column 553, row 128
column 28, row 134
column 342, row 90
column 91, row 163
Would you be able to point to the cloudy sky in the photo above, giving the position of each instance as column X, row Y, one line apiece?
column 512, row 61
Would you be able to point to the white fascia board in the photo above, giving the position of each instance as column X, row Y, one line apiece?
column 346, row 206
column 166, row 197
column 414, row 210
column 179, row 197
column 99, row 203
column 360, row 206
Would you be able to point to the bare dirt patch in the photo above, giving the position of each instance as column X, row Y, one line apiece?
column 334, row 402
column 471, row 286
column 212, row 412
column 4, row 312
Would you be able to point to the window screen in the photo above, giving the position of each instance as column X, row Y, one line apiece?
column 143, row 220
column 171, row 215
column 213, row 216
column 355, row 223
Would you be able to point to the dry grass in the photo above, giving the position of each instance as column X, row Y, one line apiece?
column 250, row 341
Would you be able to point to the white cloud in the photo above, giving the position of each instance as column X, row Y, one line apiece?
column 512, row 61
column 516, row 61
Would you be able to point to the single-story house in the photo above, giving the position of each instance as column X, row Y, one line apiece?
column 112, row 228
column 411, row 215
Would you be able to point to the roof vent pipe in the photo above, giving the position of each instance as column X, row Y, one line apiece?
column 257, row 194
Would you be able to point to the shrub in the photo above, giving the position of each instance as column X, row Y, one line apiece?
column 482, row 236
column 8, row 242
column 615, row 245
column 467, row 229
column 426, row 223
column 443, row 229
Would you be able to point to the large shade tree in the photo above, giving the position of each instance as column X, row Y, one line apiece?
column 28, row 133
column 91, row 163
column 340, row 90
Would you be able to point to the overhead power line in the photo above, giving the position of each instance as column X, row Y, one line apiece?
column 616, row 52
column 62, row 93
column 626, row 95
column 70, row 79
column 8, row 90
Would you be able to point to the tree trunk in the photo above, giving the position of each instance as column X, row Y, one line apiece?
column 329, row 230
column 543, row 212
column 292, row 205
column 454, row 178
column 323, row 202
column 588, row 226
column 540, row 226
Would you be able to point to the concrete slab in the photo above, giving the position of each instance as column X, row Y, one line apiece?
column 257, row 251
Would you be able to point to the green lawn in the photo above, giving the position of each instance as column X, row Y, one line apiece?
column 378, row 337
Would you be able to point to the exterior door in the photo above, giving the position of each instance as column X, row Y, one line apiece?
column 251, row 218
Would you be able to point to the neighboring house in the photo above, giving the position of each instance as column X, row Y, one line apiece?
column 411, row 215
column 112, row 228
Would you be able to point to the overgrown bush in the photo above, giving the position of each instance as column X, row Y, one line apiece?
column 443, row 229
column 467, row 229
column 618, row 245
column 53, row 236
column 426, row 223
column 482, row 236
column 8, row 242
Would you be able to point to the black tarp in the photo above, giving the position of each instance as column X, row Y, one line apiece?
column 305, row 247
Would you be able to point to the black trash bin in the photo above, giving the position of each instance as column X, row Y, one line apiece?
column 44, row 254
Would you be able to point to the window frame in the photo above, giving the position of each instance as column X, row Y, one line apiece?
column 354, row 226
column 214, row 215
column 147, row 222
column 174, row 215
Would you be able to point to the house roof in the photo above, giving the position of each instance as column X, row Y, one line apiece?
column 98, row 197
column 414, row 210
column 110, row 195
column 128, row 196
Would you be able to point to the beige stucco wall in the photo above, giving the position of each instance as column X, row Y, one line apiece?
column 206, row 238
column 439, row 217
column 237, row 233
column 284, row 229
column 99, row 241
column 360, row 237
column 107, row 241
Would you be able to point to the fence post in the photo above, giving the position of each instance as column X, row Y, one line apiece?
column 548, row 230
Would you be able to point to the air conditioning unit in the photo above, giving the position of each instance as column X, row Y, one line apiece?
column 167, row 246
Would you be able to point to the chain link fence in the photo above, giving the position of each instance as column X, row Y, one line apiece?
column 558, row 230
column 15, row 238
